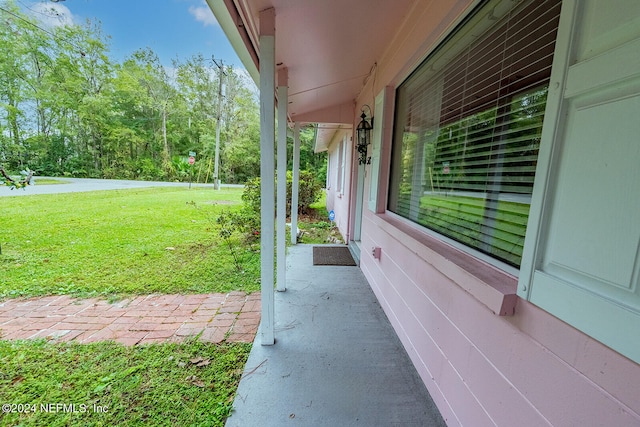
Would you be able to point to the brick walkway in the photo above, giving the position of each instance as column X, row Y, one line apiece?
column 144, row 319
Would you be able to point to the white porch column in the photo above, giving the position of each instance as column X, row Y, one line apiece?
column 295, row 184
column 281, row 215
column 267, row 173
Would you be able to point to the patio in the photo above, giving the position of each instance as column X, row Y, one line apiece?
column 336, row 362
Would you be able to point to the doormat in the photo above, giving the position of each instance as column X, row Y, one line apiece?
column 332, row 255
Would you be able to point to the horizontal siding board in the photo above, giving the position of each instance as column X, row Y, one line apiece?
column 467, row 409
column 448, row 330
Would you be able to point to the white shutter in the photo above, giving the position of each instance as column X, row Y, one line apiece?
column 376, row 148
column 582, row 258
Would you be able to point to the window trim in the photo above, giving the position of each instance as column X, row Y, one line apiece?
column 340, row 168
column 489, row 284
column 381, row 149
column 327, row 180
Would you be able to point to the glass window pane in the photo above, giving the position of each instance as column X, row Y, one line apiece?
column 467, row 131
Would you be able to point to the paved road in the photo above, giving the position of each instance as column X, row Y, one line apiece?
column 72, row 185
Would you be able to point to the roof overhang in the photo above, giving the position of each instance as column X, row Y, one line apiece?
column 330, row 48
column 232, row 23
column 329, row 133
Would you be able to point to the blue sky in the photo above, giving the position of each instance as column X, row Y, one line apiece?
column 172, row 28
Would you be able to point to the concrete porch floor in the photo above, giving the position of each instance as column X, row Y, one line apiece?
column 336, row 362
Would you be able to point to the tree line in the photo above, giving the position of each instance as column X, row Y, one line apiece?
column 68, row 109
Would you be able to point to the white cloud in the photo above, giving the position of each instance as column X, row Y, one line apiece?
column 52, row 14
column 203, row 14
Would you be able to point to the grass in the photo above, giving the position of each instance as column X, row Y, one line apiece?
column 316, row 226
column 49, row 181
column 120, row 242
column 112, row 244
column 157, row 385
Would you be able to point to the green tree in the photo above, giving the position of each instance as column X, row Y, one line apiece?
column 67, row 108
column 316, row 163
column 240, row 156
column 13, row 77
column 198, row 85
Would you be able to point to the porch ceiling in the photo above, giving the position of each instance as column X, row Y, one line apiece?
column 330, row 47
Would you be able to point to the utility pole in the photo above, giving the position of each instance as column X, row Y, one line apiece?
column 216, row 180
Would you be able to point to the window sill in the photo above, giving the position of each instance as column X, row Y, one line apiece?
column 491, row 286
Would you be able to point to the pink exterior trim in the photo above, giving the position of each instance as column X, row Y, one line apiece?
column 268, row 22
column 385, row 150
column 342, row 113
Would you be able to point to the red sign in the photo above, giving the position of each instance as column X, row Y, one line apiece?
column 192, row 160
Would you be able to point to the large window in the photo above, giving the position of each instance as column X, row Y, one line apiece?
column 468, row 125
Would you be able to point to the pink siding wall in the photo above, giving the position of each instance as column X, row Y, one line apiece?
column 332, row 177
column 530, row 369
column 336, row 201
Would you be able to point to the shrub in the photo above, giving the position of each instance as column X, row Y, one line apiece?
column 309, row 192
column 244, row 222
column 251, row 194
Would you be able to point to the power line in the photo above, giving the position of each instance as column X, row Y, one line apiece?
column 44, row 30
column 37, row 11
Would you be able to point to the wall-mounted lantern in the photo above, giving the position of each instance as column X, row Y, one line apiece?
column 363, row 135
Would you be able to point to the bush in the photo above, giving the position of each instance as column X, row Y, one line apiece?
column 247, row 224
column 309, row 192
column 251, row 195
column 147, row 170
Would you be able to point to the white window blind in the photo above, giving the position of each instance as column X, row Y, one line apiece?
column 468, row 125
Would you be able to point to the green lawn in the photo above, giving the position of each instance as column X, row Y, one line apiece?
column 112, row 244
column 120, row 242
column 108, row 384
column 48, row 181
